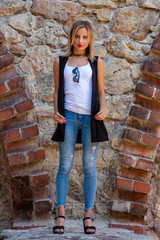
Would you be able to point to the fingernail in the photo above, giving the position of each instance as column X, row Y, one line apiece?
column 65, row 121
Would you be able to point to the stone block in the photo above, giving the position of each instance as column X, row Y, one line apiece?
column 56, row 10
column 1, row 37
column 18, row 50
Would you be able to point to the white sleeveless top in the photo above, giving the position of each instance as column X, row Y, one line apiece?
column 78, row 95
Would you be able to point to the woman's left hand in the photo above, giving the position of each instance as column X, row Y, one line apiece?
column 100, row 115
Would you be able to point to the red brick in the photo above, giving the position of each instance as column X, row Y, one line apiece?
column 40, row 193
column 139, row 112
column 144, row 125
column 36, row 155
column 44, row 205
column 125, row 184
column 6, row 113
column 133, row 174
column 22, row 204
column 6, row 60
column 3, row 89
column 157, row 94
column 133, row 196
column 19, row 182
column 3, row 50
column 147, row 103
column 138, row 209
column 40, row 179
column 12, row 136
column 142, row 187
column 28, row 143
column 129, row 161
column 154, row 57
column 152, row 67
column 137, row 150
column 131, row 134
column 30, row 131
column 17, row 159
column 150, row 139
column 156, row 45
column 136, row 229
column 24, row 106
column 1, row 37
column 16, row 82
column 145, row 89
column 155, row 117
column 22, row 193
column 144, row 164
column 8, row 74
column 151, row 80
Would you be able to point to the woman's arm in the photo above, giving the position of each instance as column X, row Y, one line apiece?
column 57, row 116
column 102, row 98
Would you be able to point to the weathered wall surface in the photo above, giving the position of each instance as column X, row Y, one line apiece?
column 36, row 33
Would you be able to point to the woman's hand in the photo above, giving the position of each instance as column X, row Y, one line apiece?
column 100, row 115
column 59, row 118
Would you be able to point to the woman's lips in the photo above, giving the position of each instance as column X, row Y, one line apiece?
column 79, row 45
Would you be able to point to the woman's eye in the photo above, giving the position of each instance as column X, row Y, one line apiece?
column 85, row 37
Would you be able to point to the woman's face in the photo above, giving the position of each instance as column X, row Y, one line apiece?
column 81, row 40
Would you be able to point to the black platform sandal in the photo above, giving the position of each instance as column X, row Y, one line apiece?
column 58, row 227
column 88, row 227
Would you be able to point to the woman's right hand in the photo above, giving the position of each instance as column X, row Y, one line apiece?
column 59, row 118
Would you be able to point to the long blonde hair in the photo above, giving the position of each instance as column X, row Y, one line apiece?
column 74, row 28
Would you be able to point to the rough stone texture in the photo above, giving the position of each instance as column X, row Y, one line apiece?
column 124, row 47
column 55, row 9
column 36, row 32
column 134, row 22
column 8, row 7
column 25, row 23
column 38, row 59
column 99, row 3
column 4, row 198
column 149, row 4
column 117, row 76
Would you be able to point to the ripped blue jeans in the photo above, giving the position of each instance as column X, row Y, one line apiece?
column 66, row 150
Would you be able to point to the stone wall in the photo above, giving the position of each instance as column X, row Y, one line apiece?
column 35, row 33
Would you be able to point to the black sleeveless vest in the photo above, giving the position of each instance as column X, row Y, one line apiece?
column 98, row 130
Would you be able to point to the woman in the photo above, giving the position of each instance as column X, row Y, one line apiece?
column 79, row 108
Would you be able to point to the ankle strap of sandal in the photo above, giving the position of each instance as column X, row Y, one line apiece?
column 59, row 217
column 87, row 218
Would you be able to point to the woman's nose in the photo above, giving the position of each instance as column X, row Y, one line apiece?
column 80, row 39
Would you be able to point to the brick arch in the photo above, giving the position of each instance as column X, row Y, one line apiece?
column 20, row 139
column 138, row 148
